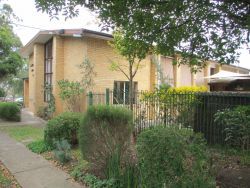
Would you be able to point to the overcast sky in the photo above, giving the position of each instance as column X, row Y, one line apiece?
column 26, row 10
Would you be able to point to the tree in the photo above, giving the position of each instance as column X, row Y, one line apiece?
column 10, row 60
column 71, row 91
column 198, row 30
column 13, row 84
column 134, row 51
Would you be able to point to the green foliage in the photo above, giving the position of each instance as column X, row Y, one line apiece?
column 51, row 106
column 134, row 51
column 103, row 131
column 70, row 93
column 63, row 126
column 199, row 30
column 236, row 126
column 171, row 157
column 10, row 60
column 38, row 146
column 78, row 171
column 2, row 92
column 88, row 74
column 5, row 182
column 94, row 182
column 10, row 111
column 42, row 112
column 62, row 151
column 175, row 103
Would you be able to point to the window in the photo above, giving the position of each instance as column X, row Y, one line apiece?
column 48, row 68
column 121, row 92
column 212, row 71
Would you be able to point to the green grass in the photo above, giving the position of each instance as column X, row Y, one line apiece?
column 4, row 181
column 25, row 134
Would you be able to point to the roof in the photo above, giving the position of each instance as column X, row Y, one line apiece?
column 45, row 35
column 226, row 77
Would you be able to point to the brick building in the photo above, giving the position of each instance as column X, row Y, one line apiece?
column 55, row 55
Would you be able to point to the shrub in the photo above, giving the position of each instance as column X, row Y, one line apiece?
column 175, row 103
column 38, row 146
column 62, row 152
column 2, row 92
column 236, row 126
column 42, row 112
column 10, row 111
column 171, row 157
column 63, row 126
column 95, row 182
column 105, row 131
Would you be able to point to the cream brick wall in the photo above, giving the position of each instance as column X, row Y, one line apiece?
column 36, row 78
column 70, row 52
column 101, row 55
column 58, row 70
column 32, row 88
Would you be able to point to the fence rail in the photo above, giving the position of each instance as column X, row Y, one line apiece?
column 190, row 110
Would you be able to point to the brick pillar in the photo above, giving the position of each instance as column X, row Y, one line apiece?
column 177, row 72
column 193, row 79
column 58, row 70
column 206, row 74
column 218, row 68
column 26, row 93
column 38, row 77
column 153, row 75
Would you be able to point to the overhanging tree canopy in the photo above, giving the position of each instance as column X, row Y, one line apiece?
column 209, row 29
column 10, row 60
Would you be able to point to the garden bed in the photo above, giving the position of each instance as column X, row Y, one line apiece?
column 7, row 180
column 221, row 158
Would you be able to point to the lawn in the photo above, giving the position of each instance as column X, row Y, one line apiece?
column 24, row 134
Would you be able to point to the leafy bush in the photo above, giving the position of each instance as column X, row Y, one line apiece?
column 78, row 171
column 70, row 93
column 62, row 152
column 42, row 112
column 38, row 146
column 236, row 126
column 175, row 104
column 10, row 111
column 171, row 157
column 105, row 131
column 2, row 92
column 63, row 126
column 94, row 182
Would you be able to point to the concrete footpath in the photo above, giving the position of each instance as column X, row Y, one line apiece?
column 30, row 169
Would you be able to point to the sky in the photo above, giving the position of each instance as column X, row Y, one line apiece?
column 26, row 10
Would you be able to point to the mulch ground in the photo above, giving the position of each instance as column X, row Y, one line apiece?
column 11, row 179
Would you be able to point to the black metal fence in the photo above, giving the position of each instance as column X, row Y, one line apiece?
column 186, row 110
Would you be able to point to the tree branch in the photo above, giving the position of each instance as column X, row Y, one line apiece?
column 136, row 69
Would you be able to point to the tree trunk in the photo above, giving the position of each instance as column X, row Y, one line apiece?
column 131, row 92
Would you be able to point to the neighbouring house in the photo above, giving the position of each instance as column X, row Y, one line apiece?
column 55, row 55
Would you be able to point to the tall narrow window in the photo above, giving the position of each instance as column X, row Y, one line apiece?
column 48, row 68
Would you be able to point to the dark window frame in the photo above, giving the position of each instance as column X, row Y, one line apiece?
column 48, row 64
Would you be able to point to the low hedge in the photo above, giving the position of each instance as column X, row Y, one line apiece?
column 10, row 111
column 64, row 126
column 171, row 157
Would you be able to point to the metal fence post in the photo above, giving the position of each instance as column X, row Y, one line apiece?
column 107, row 96
column 90, row 98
